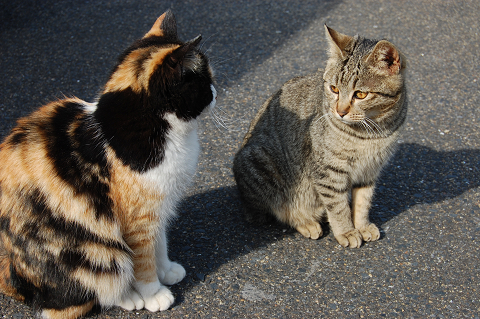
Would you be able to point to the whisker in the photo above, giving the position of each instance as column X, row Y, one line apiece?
column 222, row 120
column 321, row 117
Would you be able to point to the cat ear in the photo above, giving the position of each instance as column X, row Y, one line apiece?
column 177, row 57
column 180, row 53
column 386, row 59
column 165, row 26
column 337, row 41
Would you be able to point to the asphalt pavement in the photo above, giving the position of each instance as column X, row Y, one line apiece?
column 427, row 203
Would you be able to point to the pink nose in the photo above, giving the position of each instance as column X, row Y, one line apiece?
column 342, row 113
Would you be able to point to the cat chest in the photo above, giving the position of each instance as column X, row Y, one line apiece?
column 159, row 188
column 356, row 162
column 176, row 170
column 368, row 161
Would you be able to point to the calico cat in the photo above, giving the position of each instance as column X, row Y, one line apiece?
column 316, row 147
column 87, row 189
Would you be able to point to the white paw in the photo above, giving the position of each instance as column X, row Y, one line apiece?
column 160, row 300
column 171, row 274
column 131, row 301
column 155, row 296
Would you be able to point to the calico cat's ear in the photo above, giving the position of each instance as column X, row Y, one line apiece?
column 179, row 54
column 178, row 57
column 386, row 59
column 165, row 26
column 337, row 41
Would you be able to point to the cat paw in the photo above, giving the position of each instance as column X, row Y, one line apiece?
column 155, row 296
column 312, row 230
column 352, row 239
column 369, row 232
column 160, row 300
column 131, row 301
column 172, row 274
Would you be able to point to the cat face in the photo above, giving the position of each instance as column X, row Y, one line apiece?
column 363, row 80
column 164, row 71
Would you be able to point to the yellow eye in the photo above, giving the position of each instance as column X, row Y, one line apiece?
column 360, row 95
column 334, row 89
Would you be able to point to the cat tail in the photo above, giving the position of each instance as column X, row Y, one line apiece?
column 72, row 312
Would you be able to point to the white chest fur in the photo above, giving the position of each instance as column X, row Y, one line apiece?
column 172, row 177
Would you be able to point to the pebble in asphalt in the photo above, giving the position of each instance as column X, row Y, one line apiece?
column 427, row 202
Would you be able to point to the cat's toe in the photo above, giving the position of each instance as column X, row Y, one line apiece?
column 131, row 301
column 312, row 230
column 352, row 239
column 159, row 301
column 370, row 232
column 174, row 274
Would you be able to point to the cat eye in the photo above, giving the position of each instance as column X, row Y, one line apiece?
column 334, row 89
column 360, row 95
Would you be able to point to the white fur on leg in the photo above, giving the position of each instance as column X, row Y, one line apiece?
column 171, row 274
column 168, row 272
column 156, row 296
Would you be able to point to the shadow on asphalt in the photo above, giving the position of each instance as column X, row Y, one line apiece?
column 421, row 175
column 56, row 47
column 211, row 231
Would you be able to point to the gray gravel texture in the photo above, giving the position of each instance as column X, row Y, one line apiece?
column 428, row 199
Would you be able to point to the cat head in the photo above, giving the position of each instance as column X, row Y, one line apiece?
column 364, row 80
column 164, row 73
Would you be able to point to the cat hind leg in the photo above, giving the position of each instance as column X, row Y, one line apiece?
column 311, row 230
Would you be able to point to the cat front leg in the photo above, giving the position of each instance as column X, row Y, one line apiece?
column 168, row 272
column 339, row 214
column 361, row 201
column 147, row 291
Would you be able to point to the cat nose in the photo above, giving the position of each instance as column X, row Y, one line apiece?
column 342, row 113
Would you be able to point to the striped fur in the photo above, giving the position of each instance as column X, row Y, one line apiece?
column 316, row 147
column 87, row 189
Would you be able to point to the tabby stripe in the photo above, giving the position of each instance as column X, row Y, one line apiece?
column 336, row 170
column 330, row 207
column 388, row 95
column 326, row 195
column 336, row 190
column 341, row 127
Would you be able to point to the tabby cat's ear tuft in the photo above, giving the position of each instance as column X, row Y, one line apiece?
column 165, row 26
column 386, row 59
column 337, row 41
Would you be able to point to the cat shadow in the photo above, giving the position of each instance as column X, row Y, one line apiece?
column 421, row 175
column 211, row 230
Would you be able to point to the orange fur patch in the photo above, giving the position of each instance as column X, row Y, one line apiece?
column 129, row 75
column 140, row 203
column 156, row 29
column 68, row 313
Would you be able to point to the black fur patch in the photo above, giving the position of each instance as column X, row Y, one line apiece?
column 187, row 98
column 76, row 233
column 78, row 156
column 133, row 127
column 18, row 136
column 47, row 296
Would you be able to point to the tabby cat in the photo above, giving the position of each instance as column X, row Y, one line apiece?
column 316, row 147
column 87, row 189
